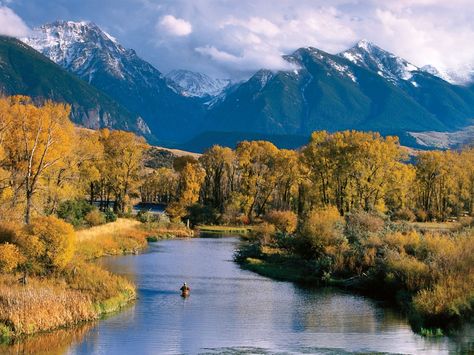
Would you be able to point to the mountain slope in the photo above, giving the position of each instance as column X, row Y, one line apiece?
column 451, row 104
column 363, row 88
column 25, row 71
column 327, row 92
column 194, row 84
column 85, row 50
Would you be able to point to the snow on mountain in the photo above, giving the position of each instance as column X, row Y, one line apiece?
column 463, row 76
column 194, row 84
column 335, row 67
column 385, row 64
column 84, row 49
column 78, row 47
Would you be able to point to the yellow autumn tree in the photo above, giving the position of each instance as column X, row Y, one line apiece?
column 36, row 139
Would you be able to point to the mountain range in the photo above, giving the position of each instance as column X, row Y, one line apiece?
column 24, row 71
column 364, row 87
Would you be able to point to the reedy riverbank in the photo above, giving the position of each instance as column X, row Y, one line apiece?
column 429, row 276
column 82, row 291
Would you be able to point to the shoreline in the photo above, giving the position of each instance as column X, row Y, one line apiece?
column 123, row 237
column 289, row 269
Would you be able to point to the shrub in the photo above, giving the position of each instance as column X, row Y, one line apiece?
column 284, row 221
column 264, row 232
column 320, row 229
column 95, row 218
column 175, row 211
column 110, row 216
column 144, row 216
column 421, row 215
column 8, row 233
column 199, row 214
column 361, row 224
column 57, row 239
column 404, row 214
column 74, row 211
column 10, row 257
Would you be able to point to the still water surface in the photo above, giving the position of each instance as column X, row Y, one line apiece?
column 234, row 311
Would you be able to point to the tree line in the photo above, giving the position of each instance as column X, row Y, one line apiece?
column 45, row 160
column 350, row 170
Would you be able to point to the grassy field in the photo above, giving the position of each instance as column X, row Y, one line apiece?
column 118, row 226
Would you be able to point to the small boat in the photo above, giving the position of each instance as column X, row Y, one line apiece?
column 185, row 293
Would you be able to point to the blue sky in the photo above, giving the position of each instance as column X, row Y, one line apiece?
column 234, row 38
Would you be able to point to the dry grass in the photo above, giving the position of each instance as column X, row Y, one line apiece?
column 436, row 226
column 95, row 233
column 41, row 305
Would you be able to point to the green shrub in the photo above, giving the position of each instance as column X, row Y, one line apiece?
column 144, row 216
column 74, row 211
column 200, row 214
column 110, row 216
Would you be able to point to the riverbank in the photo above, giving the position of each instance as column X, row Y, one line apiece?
column 221, row 229
column 428, row 276
column 82, row 291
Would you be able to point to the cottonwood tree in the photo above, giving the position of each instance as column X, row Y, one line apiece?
column 36, row 139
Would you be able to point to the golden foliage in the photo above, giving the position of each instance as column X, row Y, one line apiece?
column 57, row 238
column 284, row 221
column 10, row 257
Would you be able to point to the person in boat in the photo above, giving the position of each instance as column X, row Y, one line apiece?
column 185, row 288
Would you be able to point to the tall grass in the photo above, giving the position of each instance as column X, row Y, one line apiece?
column 41, row 305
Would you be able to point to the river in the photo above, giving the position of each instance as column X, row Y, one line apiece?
column 234, row 311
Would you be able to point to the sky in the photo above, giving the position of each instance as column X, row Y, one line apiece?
column 234, row 38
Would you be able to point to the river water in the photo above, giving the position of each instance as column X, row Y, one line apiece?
column 233, row 311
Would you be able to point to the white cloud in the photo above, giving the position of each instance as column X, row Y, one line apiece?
column 11, row 24
column 226, row 39
column 175, row 26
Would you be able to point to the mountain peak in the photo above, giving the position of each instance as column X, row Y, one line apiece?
column 384, row 63
column 79, row 46
column 188, row 83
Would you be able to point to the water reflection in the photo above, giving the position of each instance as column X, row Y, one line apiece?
column 57, row 342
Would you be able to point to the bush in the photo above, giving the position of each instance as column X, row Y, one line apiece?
column 8, row 233
column 10, row 257
column 321, row 228
column 199, row 214
column 144, row 216
column 264, row 232
column 421, row 215
column 284, row 221
column 175, row 211
column 361, row 224
column 110, row 216
column 56, row 241
column 405, row 214
column 95, row 218
column 74, row 211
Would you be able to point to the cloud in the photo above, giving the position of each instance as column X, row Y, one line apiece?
column 175, row 26
column 11, row 24
column 229, row 40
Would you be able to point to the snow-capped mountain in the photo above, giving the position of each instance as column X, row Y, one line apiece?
column 385, row 64
column 25, row 71
column 82, row 46
column 95, row 56
column 194, row 84
column 463, row 76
